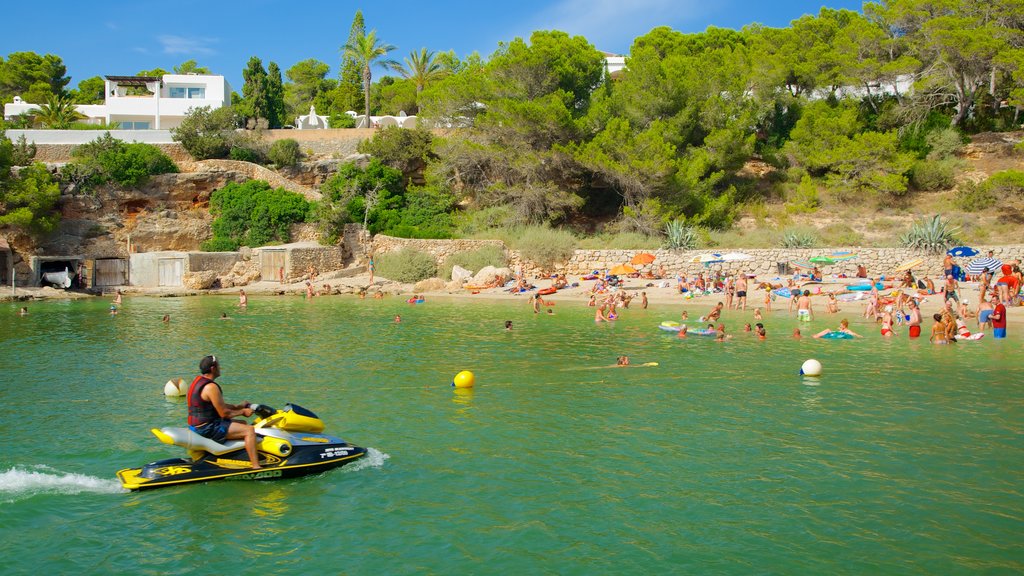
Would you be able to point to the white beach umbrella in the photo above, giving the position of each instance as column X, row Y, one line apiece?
column 736, row 257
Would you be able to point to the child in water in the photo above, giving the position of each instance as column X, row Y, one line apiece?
column 762, row 334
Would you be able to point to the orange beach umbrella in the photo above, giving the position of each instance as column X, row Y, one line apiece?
column 643, row 259
column 622, row 269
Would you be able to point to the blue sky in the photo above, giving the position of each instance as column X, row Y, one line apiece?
column 124, row 37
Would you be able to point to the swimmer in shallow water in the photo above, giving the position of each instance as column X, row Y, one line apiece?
column 508, row 325
column 23, row 311
column 762, row 334
column 844, row 328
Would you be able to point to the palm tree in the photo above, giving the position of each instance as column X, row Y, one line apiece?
column 421, row 68
column 366, row 52
column 58, row 112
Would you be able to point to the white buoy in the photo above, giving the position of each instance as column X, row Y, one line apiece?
column 811, row 368
column 175, row 387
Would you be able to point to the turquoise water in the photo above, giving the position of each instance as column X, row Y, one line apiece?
column 903, row 458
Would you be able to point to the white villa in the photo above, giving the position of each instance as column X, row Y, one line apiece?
column 146, row 102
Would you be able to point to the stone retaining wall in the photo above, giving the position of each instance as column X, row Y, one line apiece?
column 878, row 261
column 439, row 249
column 61, row 153
column 331, row 143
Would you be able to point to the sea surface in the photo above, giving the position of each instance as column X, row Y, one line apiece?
column 903, row 458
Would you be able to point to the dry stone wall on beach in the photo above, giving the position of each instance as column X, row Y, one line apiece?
column 439, row 249
column 764, row 262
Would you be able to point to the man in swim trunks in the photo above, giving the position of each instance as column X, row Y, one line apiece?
column 211, row 417
column 804, row 313
column 985, row 309
column 741, row 291
column 950, row 288
column 915, row 320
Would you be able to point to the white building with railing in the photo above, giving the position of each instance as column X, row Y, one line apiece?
column 145, row 102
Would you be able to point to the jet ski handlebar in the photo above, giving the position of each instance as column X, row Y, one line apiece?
column 262, row 410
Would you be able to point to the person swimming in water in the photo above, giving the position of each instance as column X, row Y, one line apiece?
column 844, row 328
column 762, row 334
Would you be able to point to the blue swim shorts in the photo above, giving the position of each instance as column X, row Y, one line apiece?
column 983, row 316
column 999, row 332
column 216, row 430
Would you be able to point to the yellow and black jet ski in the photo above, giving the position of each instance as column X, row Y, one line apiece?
column 290, row 443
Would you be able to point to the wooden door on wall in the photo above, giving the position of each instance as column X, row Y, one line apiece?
column 171, row 271
column 271, row 265
column 110, row 272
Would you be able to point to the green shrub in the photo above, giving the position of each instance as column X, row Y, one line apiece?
column 341, row 121
column 246, row 152
column 133, row 164
column 935, row 235
column 971, row 197
column 107, row 159
column 285, row 152
column 545, row 246
column 254, row 214
column 944, row 143
column 208, row 133
column 474, row 260
column 804, row 198
column 799, row 239
column 29, row 200
column 406, row 265
column 1006, row 183
column 219, row 245
column 402, row 149
column 931, row 175
column 484, row 221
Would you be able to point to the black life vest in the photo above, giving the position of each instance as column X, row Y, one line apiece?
column 200, row 411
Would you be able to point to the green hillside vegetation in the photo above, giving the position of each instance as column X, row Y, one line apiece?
column 842, row 128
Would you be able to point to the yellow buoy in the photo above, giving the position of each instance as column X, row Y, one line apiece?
column 464, row 379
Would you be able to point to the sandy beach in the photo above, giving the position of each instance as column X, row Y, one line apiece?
column 659, row 296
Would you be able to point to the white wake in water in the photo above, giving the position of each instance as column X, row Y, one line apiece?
column 374, row 459
column 17, row 484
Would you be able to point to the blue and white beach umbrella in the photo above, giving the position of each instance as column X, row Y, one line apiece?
column 962, row 252
column 979, row 265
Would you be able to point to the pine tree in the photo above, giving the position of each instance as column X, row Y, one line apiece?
column 254, row 92
column 275, row 97
column 350, row 89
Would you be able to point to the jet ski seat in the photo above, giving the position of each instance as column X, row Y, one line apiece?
column 191, row 441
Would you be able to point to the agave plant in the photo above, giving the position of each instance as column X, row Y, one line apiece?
column 799, row 239
column 680, row 236
column 935, row 235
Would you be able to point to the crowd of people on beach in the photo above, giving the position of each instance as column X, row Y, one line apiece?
column 891, row 307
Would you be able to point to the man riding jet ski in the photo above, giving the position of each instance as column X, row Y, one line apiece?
column 279, row 444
